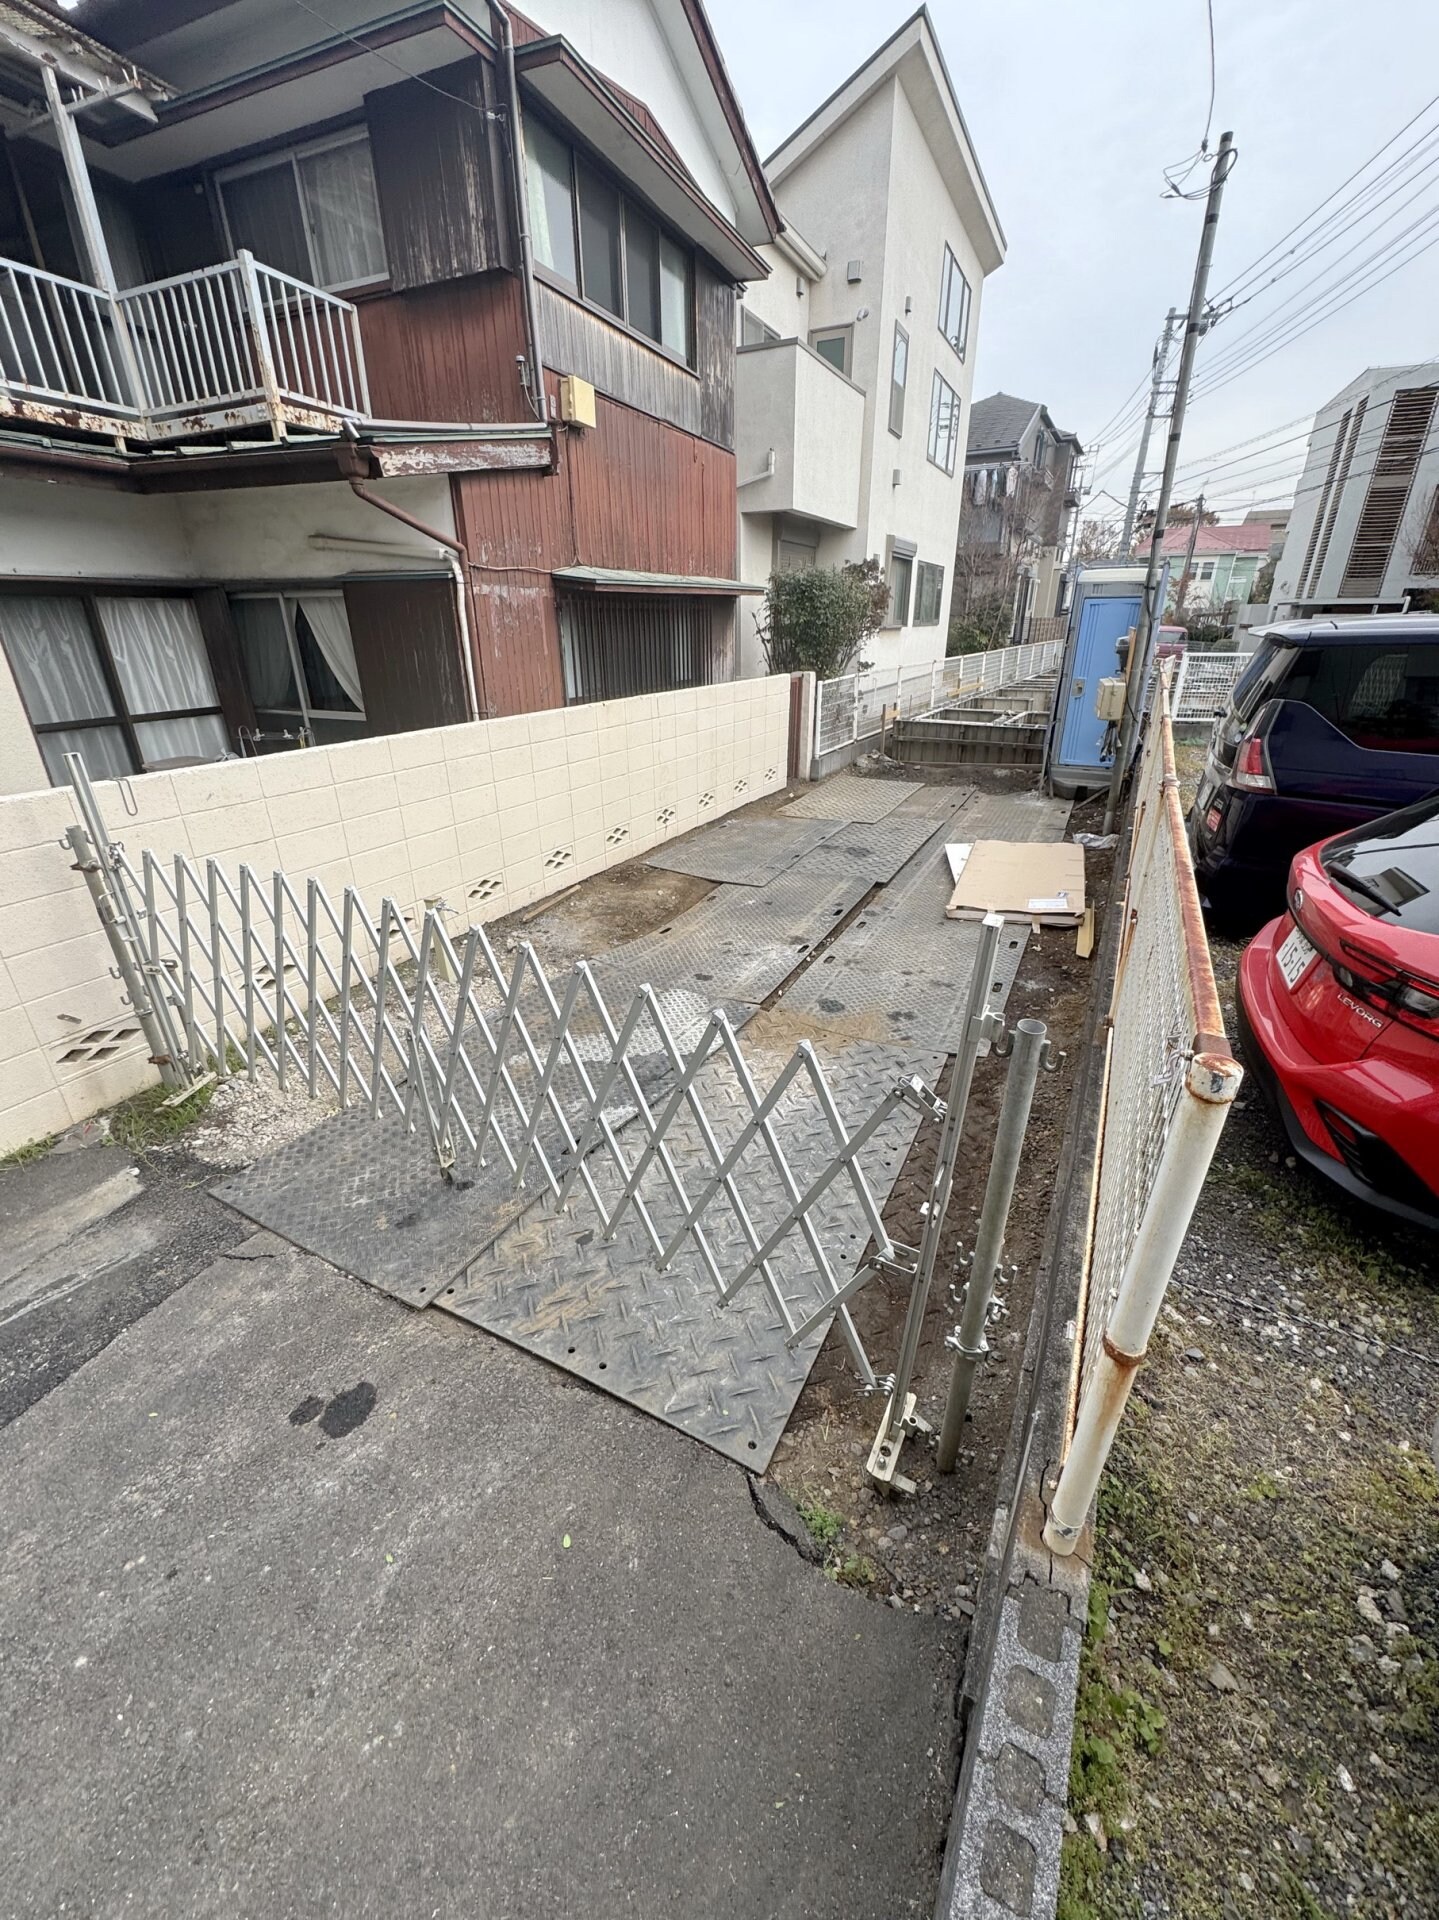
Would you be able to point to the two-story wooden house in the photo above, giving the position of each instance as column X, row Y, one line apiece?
column 362, row 367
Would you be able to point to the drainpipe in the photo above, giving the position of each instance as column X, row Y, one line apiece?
column 536, row 370
column 455, row 554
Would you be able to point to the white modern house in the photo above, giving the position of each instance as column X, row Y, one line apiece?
column 856, row 356
column 1364, row 533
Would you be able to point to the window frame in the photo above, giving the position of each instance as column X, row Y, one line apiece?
column 897, row 549
column 582, row 156
column 122, row 720
column 844, row 332
column 307, row 710
column 267, row 162
column 898, row 384
column 927, row 572
column 932, row 438
column 949, row 270
column 768, row 335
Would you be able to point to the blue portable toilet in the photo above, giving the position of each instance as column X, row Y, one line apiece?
column 1103, row 613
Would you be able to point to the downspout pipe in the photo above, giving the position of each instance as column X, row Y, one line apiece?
column 457, row 557
column 522, row 215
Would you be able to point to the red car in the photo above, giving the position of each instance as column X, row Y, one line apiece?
column 1339, row 1011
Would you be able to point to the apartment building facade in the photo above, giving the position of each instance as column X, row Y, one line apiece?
column 1021, row 486
column 856, row 354
column 360, row 376
column 1363, row 533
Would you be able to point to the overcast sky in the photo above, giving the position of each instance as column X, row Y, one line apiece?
column 1075, row 107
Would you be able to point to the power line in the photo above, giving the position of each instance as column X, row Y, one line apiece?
column 1246, row 273
column 1258, row 359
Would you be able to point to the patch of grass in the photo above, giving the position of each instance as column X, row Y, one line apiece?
column 855, row 1570
column 144, row 1120
column 824, row 1524
column 32, row 1150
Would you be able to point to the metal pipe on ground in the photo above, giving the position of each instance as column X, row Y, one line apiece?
column 1030, row 1043
column 900, row 1417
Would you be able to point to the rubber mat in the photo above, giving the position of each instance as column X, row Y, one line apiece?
column 743, row 852
column 850, row 796
column 663, row 1341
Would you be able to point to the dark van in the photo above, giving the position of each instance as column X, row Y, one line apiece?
column 1334, row 722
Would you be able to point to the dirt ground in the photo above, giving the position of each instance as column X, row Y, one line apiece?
column 924, row 1552
column 1258, row 1727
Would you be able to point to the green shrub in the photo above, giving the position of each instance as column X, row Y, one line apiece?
column 817, row 621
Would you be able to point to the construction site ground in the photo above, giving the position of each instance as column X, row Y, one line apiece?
column 311, row 1603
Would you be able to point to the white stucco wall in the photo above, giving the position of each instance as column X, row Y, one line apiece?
column 784, row 300
column 873, row 192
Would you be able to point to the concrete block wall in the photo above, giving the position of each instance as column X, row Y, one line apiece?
column 488, row 817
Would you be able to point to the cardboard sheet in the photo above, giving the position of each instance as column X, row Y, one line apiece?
column 1041, row 881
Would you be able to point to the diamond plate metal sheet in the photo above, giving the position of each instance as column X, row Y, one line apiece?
column 743, row 852
column 739, row 944
column 663, row 1341
column 877, row 850
column 368, row 1197
column 900, row 964
column 850, row 796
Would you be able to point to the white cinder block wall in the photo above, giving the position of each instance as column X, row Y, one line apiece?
column 489, row 817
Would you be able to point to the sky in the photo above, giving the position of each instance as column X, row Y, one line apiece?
column 1075, row 108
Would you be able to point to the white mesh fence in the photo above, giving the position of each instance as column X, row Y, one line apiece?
column 1204, row 682
column 1164, row 1009
column 852, row 707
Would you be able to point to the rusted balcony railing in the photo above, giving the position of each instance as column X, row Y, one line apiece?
column 230, row 346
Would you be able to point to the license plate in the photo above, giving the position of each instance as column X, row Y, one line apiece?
column 1294, row 957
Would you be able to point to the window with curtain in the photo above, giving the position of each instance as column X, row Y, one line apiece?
column 123, row 679
column 589, row 233
column 312, row 212
column 299, row 664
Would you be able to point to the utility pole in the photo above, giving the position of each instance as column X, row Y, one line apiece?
column 1189, row 555
column 1161, row 367
column 1137, row 676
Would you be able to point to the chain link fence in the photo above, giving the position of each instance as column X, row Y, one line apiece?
column 1169, row 1083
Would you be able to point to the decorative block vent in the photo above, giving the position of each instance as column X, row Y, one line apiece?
column 741, row 786
column 664, row 816
column 484, row 890
column 617, row 836
column 771, row 773
column 98, row 1043
column 706, row 801
column 559, row 858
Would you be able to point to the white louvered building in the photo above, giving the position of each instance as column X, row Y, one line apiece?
column 1364, row 534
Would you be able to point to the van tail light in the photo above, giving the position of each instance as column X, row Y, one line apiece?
column 1411, row 998
column 1251, row 771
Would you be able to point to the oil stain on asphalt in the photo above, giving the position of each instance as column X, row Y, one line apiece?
column 340, row 1415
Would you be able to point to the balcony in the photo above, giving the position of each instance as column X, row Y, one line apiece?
column 229, row 347
column 799, row 434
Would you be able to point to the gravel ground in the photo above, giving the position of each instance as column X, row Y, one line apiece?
column 1258, row 1725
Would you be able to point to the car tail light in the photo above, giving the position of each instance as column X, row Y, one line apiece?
column 1251, row 771
column 1412, row 998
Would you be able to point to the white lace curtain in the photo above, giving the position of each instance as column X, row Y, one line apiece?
column 161, row 662
column 331, row 628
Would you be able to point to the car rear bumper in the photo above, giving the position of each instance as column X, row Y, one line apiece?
column 1292, row 1078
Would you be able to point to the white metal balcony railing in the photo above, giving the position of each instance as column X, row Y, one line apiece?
column 229, row 346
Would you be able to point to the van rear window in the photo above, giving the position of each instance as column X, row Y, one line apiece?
column 1260, row 679
column 1384, row 697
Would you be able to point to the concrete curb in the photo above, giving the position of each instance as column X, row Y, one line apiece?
column 1022, row 1670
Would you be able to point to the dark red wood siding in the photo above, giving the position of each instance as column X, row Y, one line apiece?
column 631, row 493
column 407, row 649
column 447, row 352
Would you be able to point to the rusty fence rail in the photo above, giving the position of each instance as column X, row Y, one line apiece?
column 1170, row 1080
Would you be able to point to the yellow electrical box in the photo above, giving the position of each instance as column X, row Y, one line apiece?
column 577, row 401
